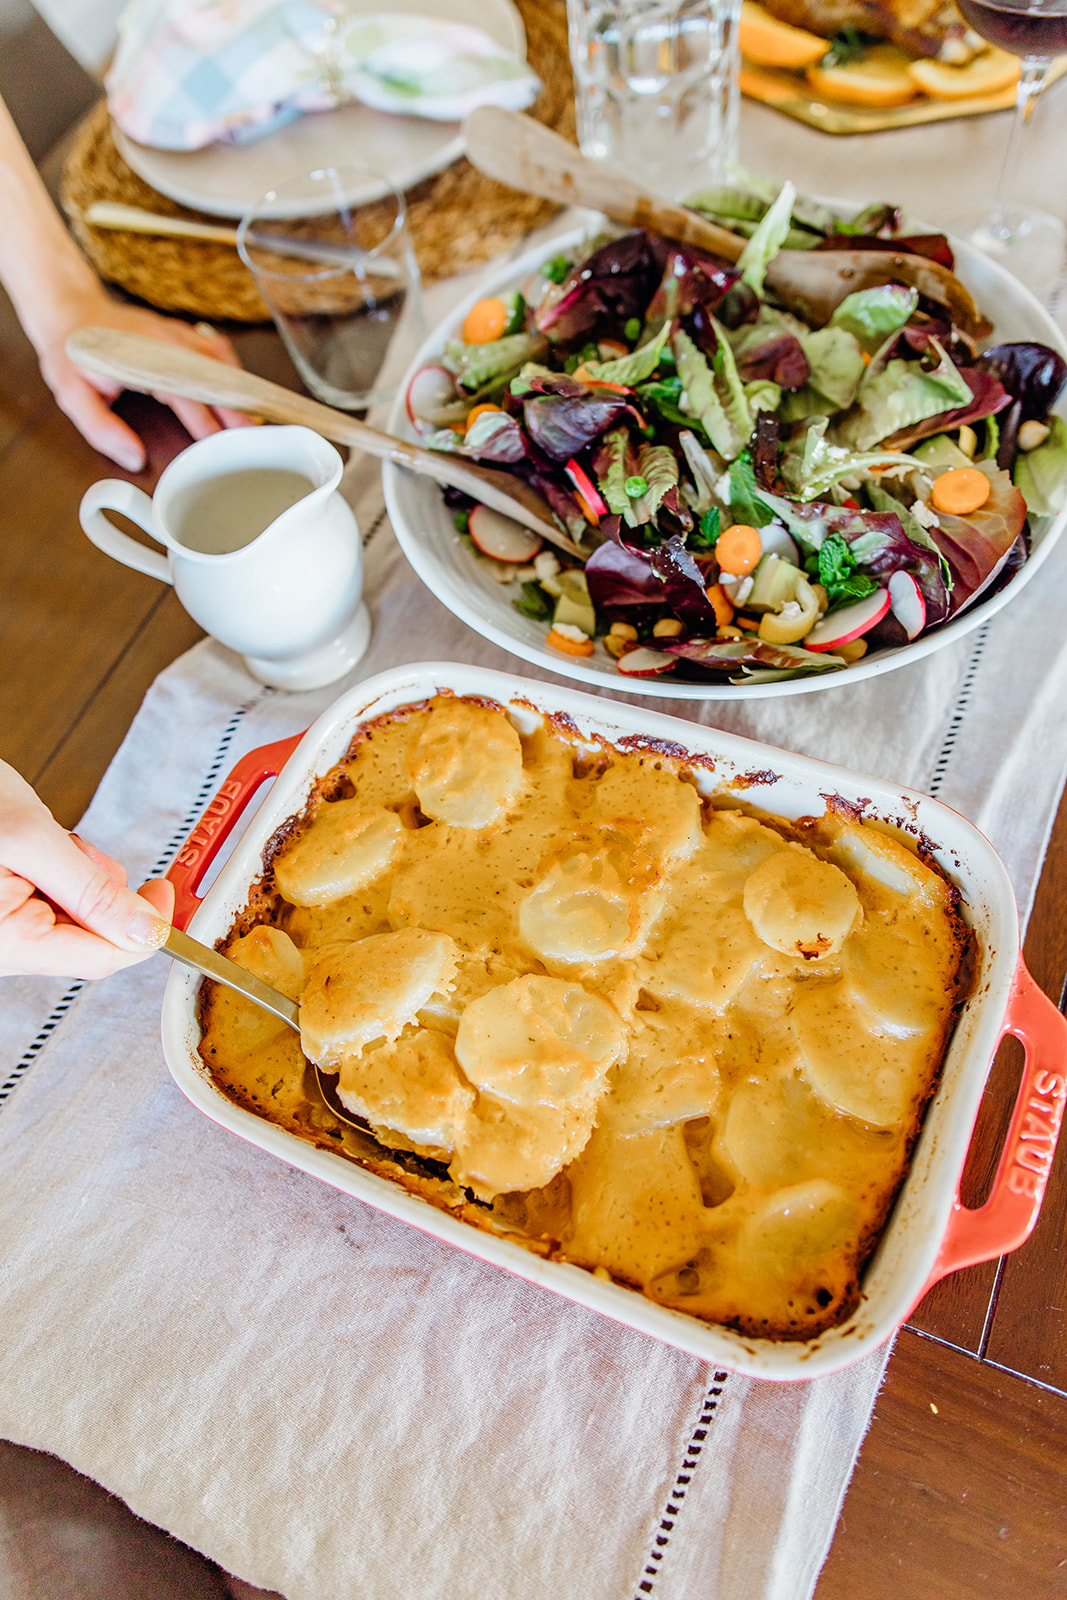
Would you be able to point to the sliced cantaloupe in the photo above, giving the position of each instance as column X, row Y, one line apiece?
column 771, row 43
column 880, row 79
column 988, row 73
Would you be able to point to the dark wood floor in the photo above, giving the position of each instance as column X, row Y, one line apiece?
column 959, row 1490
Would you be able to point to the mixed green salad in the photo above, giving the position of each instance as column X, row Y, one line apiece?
column 744, row 495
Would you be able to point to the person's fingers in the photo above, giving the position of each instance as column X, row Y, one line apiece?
column 214, row 343
column 37, row 849
column 97, row 423
column 197, row 419
column 113, row 868
column 159, row 892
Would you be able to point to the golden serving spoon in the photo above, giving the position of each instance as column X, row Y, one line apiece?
column 191, row 953
column 526, row 155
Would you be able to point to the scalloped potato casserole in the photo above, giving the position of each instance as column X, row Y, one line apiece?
column 577, row 998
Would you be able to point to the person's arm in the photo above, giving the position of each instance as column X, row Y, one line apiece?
column 54, row 290
column 65, row 910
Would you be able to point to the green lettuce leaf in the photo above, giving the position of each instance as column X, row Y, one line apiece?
column 614, row 464
column 898, row 395
column 763, row 395
column 871, row 315
column 812, row 464
column 715, row 394
column 478, row 365
column 1041, row 474
column 746, row 497
column 658, row 465
column 634, row 368
column 768, row 239
column 836, row 364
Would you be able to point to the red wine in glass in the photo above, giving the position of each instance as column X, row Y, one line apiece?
column 1033, row 32
column 1028, row 241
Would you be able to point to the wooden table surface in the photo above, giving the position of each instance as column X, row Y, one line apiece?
column 959, row 1490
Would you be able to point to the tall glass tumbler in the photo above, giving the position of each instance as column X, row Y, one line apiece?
column 340, row 279
column 656, row 88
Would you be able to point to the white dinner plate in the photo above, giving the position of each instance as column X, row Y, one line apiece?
column 423, row 523
column 226, row 180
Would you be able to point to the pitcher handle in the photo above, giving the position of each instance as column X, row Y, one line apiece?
column 114, row 494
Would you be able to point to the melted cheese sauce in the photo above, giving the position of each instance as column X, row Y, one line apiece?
column 676, row 1043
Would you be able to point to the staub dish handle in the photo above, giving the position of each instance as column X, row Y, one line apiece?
column 217, row 822
column 1008, row 1216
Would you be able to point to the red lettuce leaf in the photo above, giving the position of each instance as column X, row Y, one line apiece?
column 562, row 425
column 621, row 576
column 781, row 359
column 976, row 547
column 612, row 285
column 934, row 246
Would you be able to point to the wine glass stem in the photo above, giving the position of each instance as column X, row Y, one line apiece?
column 1031, row 82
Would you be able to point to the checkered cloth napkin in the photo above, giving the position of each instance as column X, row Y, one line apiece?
column 188, row 73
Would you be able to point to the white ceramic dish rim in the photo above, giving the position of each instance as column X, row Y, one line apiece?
column 909, row 1248
column 423, row 524
column 175, row 172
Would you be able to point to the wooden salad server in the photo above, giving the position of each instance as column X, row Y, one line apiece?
column 152, row 367
column 526, row 155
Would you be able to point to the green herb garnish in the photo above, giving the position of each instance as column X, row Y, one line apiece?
column 836, row 570
column 535, row 603
column 556, row 269
column 846, row 46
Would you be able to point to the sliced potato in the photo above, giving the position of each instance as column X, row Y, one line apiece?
column 985, row 74
column 771, row 43
column 881, row 79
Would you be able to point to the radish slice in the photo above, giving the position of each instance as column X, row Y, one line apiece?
column 645, row 663
column 777, row 542
column 907, row 604
column 502, row 537
column 848, row 622
column 586, row 488
column 432, row 397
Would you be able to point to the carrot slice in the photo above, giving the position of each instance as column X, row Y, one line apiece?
column 738, row 549
column 485, row 322
column 960, row 491
column 479, row 411
column 569, row 647
column 720, row 604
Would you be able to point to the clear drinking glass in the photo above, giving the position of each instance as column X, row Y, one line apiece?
column 656, row 88
column 1028, row 241
column 341, row 281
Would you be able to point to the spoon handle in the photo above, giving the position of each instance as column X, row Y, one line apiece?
column 152, row 367
column 526, row 155
column 191, row 953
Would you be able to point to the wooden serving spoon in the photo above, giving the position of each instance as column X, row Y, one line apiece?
column 528, row 156
column 152, row 367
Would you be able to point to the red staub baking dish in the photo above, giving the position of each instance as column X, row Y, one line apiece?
column 929, row 1234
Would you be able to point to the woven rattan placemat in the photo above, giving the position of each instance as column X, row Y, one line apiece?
column 458, row 219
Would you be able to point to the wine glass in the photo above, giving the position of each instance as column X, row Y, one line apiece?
column 1028, row 241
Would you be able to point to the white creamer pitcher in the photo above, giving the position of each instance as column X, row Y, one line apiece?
column 261, row 550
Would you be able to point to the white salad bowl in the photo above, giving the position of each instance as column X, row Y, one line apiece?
column 929, row 1232
column 424, row 526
